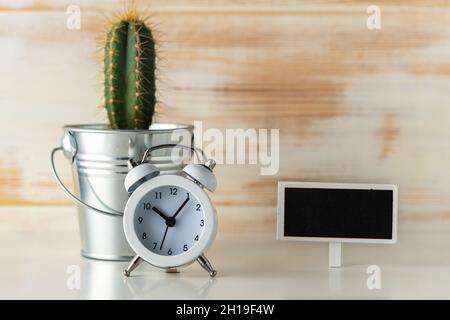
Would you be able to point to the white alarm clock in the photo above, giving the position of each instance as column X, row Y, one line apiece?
column 169, row 219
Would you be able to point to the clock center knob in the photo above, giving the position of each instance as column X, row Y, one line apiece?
column 170, row 222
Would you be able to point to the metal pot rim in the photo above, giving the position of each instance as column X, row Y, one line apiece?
column 103, row 128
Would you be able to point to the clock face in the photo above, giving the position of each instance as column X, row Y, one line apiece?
column 169, row 220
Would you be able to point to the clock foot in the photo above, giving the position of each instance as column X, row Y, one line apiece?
column 133, row 264
column 203, row 261
column 172, row 270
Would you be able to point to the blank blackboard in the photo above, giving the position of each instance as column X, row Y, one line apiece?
column 313, row 210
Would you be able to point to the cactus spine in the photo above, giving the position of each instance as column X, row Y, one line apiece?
column 130, row 62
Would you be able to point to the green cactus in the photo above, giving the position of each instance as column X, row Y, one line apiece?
column 130, row 63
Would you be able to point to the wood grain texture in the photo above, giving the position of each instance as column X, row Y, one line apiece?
column 352, row 105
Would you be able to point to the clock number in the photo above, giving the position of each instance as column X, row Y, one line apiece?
column 169, row 252
column 144, row 236
column 173, row 191
column 154, row 245
column 187, row 195
column 140, row 219
column 198, row 208
column 158, row 195
column 147, row 205
column 202, row 223
column 196, row 238
column 185, row 247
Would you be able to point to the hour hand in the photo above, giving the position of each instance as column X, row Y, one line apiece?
column 162, row 215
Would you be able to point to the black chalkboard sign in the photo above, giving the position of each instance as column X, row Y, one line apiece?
column 337, row 212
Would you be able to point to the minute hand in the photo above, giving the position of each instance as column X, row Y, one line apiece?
column 180, row 208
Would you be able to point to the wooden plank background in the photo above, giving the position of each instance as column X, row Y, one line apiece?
column 352, row 105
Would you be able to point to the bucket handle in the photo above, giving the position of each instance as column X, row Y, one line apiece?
column 144, row 158
column 69, row 193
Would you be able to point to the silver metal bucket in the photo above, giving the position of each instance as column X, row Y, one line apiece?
column 98, row 156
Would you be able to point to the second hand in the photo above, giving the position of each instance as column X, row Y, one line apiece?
column 164, row 238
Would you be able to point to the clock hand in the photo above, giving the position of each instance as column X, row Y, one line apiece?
column 180, row 208
column 162, row 215
column 170, row 221
column 164, row 238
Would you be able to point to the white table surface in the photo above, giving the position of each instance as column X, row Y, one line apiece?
column 39, row 244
